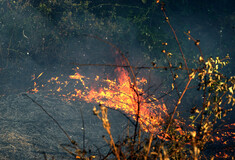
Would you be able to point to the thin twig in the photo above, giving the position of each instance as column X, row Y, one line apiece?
column 149, row 146
column 135, row 67
column 116, row 48
column 172, row 74
column 45, row 155
column 179, row 101
column 122, row 114
column 8, row 50
column 67, row 150
column 71, row 141
column 196, row 43
column 176, row 38
column 137, row 114
column 83, row 131
column 116, row 5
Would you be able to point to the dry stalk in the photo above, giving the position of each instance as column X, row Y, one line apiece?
column 149, row 146
column 196, row 43
column 137, row 114
column 172, row 74
column 137, row 67
column 196, row 150
column 176, row 38
column 106, row 125
column 179, row 101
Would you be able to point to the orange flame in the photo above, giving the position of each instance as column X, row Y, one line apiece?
column 35, row 89
column 121, row 94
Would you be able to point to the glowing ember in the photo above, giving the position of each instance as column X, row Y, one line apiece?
column 226, row 138
column 35, row 89
column 77, row 76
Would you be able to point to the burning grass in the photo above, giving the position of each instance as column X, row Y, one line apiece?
column 116, row 94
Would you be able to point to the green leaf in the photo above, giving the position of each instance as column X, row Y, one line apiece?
column 192, row 117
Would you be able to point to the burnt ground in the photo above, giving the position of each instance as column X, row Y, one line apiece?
column 28, row 133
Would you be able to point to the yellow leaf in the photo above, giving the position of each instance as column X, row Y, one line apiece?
column 230, row 90
column 169, row 54
column 40, row 75
column 220, row 102
column 192, row 75
column 172, row 86
column 208, row 103
column 176, row 76
column 229, row 100
column 201, row 59
column 192, row 117
column 210, row 71
column 154, row 153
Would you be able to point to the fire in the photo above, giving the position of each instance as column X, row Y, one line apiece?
column 127, row 95
column 35, row 89
column 225, row 137
column 77, row 76
column 121, row 94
